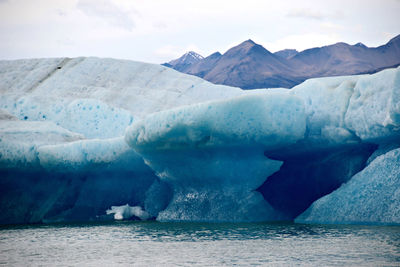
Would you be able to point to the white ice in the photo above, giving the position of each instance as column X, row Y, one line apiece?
column 127, row 212
column 97, row 97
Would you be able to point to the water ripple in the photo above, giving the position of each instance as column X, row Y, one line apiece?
column 198, row 244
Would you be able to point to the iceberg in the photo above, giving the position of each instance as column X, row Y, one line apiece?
column 127, row 212
column 98, row 98
column 374, row 108
column 212, row 154
column 20, row 140
column 47, row 104
column 372, row 196
column 100, row 139
column 303, row 178
column 50, row 174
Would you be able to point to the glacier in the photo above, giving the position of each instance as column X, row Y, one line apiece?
column 100, row 139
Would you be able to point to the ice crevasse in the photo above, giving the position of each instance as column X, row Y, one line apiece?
column 194, row 151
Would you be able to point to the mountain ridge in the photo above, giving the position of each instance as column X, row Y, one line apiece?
column 249, row 65
column 185, row 61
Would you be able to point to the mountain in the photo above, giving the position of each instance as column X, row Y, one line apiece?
column 345, row 59
column 249, row 65
column 286, row 53
column 204, row 66
column 184, row 62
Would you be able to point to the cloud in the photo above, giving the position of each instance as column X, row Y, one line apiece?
column 306, row 14
column 60, row 12
column 171, row 51
column 108, row 11
column 314, row 14
column 160, row 25
column 66, row 42
column 303, row 41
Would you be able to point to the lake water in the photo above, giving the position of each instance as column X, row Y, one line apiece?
column 199, row 244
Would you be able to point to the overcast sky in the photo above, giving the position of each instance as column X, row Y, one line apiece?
column 160, row 30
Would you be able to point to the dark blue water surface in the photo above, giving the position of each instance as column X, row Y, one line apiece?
column 199, row 244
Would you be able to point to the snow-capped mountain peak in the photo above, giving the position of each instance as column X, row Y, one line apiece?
column 185, row 61
column 192, row 55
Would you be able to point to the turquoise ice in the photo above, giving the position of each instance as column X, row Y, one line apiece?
column 82, row 136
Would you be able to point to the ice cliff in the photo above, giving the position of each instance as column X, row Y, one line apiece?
column 99, row 139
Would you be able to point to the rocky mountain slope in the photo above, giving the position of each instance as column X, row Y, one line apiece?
column 250, row 66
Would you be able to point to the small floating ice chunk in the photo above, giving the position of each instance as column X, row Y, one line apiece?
column 126, row 212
